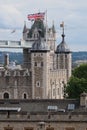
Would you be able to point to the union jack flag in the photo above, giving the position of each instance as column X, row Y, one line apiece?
column 36, row 16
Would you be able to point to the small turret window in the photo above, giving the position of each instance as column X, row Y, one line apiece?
column 38, row 84
column 25, row 96
column 35, row 64
column 41, row 64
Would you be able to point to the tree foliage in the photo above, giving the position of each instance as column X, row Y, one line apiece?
column 78, row 82
column 81, row 71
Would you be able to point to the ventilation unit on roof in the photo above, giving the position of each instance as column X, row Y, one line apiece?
column 71, row 106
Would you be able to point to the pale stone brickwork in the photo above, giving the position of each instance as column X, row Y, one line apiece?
column 48, row 66
column 40, row 70
column 57, row 80
column 15, row 85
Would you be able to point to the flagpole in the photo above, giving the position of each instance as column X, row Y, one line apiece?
column 46, row 26
column 63, row 27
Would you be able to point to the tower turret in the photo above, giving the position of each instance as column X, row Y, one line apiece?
column 31, row 36
column 25, row 31
column 40, row 68
column 39, row 25
column 63, row 55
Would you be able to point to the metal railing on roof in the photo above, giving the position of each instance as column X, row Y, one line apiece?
column 15, row 44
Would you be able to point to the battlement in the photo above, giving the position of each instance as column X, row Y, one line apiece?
column 14, row 73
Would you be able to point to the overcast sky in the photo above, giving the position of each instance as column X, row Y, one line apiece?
column 13, row 13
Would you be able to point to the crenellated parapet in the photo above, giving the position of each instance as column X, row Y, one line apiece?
column 14, row 73
column 15, row 84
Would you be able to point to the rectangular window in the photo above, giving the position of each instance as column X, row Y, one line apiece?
column 62, row 90
column 52, row 108
column 54, row 92
column 70, row 128
column 49, row 128
column 0, row 73
column 28, row 128
column 71, row 106
column 41, row 64
column 8, row 128
column 7, row 80
column 35, row 63
column 58, row 91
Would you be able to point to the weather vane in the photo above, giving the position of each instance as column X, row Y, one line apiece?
column 62, row 26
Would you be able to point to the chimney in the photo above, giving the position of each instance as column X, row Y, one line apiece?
column 6, row 60
column 83, row 99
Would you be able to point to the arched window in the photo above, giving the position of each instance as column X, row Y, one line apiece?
column 25, row 96
column 6, row 95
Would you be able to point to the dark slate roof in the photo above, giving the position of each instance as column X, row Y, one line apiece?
column 53, row 29
column 62, row 47
column 25, row 29
column 39, row 25
column 39, row 105
column 39, row 45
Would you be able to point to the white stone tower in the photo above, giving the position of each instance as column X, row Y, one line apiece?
column 50, row 68
column 63, row 56
column 40, row 56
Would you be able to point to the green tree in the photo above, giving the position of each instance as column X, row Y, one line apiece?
column 78, row 82
column 80, row 72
